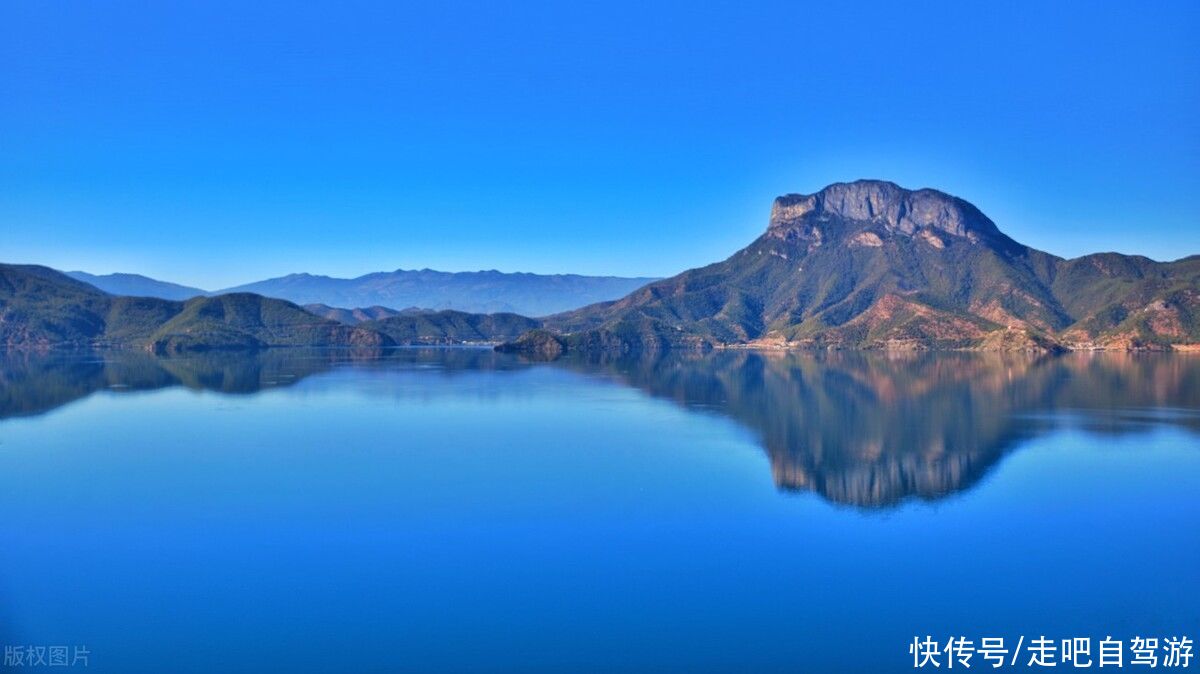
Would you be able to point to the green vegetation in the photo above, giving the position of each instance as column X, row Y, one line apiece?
column 451, row 327
column 243, row 320
column 353, row 316
column 42, row 308
column 537, row 344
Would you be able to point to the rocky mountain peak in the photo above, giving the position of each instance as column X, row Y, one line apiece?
column 886, row 204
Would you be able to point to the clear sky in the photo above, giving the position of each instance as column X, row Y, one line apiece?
column 217, row 143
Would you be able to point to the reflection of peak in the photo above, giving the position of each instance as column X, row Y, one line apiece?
column 889, row 478
column 876, row 429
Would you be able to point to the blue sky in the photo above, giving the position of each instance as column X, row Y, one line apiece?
column 216, row 143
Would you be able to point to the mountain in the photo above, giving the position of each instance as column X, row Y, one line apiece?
column 474, row 292
column 357, row 315
column 136, row 285
column 869, row 264
column 43, row 308
column 40, row 307
column 451, row 327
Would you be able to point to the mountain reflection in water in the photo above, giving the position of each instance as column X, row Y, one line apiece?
column 873, row 429
column 860, row 428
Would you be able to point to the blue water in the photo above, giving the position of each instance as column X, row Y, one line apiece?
column 458, row 510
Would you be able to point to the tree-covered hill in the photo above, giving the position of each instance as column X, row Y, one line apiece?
column 451, row 327
column 42, row 308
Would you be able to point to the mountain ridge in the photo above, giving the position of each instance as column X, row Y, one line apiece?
column 487, row 291
column 484, row 291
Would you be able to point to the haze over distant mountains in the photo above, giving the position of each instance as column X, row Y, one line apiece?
column 472, row 292
column 136, row 285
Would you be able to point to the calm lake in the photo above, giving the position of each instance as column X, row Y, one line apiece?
column 449, row 510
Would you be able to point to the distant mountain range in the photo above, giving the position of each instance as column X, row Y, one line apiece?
column 857, row 265
column 473, row 292
column 869, row 264
column 136, row 285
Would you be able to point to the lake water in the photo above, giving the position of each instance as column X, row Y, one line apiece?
column 459, row 510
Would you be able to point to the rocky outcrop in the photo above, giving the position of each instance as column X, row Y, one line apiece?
column 536, row 344
column 885, row 204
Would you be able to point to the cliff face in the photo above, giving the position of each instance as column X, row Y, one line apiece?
column 885, row 204
column 869, row 264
